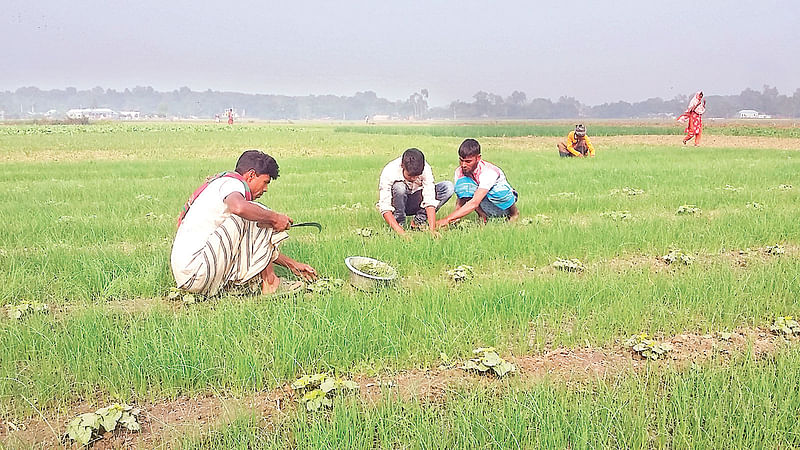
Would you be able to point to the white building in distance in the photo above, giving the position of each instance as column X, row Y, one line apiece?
column 129, row 115
column 752, row 114
column 92, row 113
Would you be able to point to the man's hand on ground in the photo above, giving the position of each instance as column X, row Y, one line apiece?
column 304, row 271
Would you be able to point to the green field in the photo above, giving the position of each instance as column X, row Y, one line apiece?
column 88, row 215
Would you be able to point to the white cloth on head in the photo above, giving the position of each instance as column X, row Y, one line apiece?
column 696, row 104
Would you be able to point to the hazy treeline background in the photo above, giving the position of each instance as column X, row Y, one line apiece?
column 30, row 102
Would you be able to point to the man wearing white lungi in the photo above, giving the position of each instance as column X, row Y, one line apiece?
column 225, row 238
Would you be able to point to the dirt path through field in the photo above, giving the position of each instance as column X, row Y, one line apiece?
column 603, row 143
column 165, row 423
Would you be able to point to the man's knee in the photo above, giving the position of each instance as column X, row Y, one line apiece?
column 399, row 188
column 444, row 190
column 465, row 188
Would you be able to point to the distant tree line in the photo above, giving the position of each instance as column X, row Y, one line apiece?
column 28, row 102
column 31, row 102
column 516, row 106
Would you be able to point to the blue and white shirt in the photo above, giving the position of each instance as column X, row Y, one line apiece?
column 485, row 176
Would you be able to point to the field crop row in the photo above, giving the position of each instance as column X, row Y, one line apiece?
column 747, row 405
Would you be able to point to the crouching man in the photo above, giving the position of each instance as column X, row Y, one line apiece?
column 406, row 188
column 481, row 187
column 578, row 144
column 225, row 238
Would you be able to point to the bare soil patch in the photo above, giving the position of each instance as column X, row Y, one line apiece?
column 602, row 143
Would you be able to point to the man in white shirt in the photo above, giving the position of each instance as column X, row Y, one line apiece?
column 224, row 237
column 406, row 187
column 481, row 187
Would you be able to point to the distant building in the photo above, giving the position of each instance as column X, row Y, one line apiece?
column 92, row 113
column 129, row 115
column 752, row 114
column 748, row 114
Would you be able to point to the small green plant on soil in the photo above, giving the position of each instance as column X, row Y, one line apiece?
column 189, row 299
column 785, row 326
column 324, row 285
column 775, row 250
column 536, row 220
column 317, row 391
column 447, row 362
column 627, row 191
column 374, row 268
column 465, row 224
column 88, row 426
column 686, row 210
column 346, row 207
column 648, row 348
column 486, row 359
column 616, row 215
column 22, row 309
column 363, row 232
column 569, row 265
column 461, row 273
column 676, row 255
column 755, row 205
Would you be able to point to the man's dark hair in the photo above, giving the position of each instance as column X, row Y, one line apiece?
column 413, row 162
column 258, row 161
column 469, row 148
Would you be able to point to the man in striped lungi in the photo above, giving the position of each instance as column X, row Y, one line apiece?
column 224, row 238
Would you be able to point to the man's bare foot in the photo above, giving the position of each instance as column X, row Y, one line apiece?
column 270, row 287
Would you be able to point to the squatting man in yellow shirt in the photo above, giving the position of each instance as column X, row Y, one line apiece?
column 578, row 144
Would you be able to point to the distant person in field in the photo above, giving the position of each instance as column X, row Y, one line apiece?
column 230, row 116
column 225, row 238
column 578, row 144
column 481, row 187
column 406, row 188
column 694, row 113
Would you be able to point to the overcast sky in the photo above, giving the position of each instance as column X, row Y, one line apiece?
column 595, row 51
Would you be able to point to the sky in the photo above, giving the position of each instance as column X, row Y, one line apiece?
column 594, row 51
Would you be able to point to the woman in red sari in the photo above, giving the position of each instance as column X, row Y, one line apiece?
column 697, row 106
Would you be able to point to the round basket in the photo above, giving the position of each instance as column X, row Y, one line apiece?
column 366, row 281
